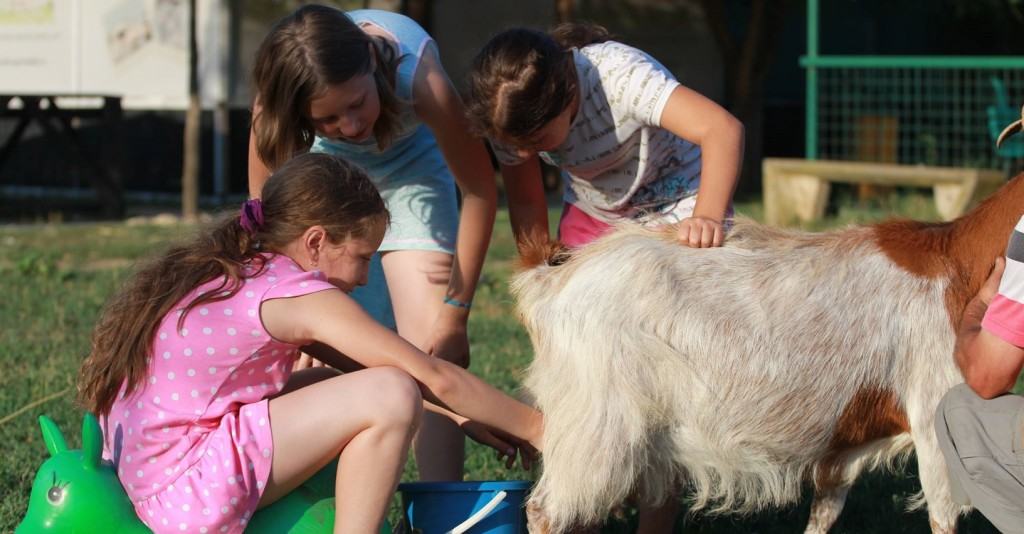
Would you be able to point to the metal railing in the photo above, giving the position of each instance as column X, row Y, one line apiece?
column 932, row 110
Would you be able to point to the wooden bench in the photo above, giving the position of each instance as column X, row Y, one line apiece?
column 58, row 123
column 797, row 189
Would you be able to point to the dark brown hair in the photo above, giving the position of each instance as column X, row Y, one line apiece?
column 308, row 190
column 304, row 54
column 522, row 79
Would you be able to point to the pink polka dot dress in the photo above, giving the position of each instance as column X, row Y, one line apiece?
column 192, row 444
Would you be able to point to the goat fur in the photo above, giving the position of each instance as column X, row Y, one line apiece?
column 742, row 373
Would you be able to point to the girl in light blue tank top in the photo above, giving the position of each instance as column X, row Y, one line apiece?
column 368, row 86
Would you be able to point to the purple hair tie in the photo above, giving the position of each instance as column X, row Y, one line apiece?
column 252, row 215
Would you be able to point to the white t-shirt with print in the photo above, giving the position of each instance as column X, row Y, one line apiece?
column 617, row 160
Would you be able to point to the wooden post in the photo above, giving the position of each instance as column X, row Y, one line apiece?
column 190, row 163
column 789, row 197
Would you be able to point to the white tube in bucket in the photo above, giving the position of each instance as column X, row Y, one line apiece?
column 479, row 515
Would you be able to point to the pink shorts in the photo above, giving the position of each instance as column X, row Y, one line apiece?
column 576, row 228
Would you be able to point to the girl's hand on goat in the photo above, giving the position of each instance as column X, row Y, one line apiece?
column 700, row 232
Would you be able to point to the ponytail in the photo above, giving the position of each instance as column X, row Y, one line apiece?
column 127, row 326
column 579, row 34
column 309, row 190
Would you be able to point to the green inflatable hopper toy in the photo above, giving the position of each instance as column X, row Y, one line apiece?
column 76, row 491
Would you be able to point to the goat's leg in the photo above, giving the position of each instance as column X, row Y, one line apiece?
column 828, row 503
column 835, row 477
column 931, row 467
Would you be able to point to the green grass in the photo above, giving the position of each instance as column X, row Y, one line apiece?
column 55, row 278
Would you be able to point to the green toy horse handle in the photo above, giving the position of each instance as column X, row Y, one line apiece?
column 77, row 491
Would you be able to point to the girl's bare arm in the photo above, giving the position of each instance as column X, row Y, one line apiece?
column 333, row 318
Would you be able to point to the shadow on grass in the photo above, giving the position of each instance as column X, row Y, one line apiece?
column 877, row 504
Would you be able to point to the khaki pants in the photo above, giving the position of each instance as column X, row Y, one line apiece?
column 982, row 443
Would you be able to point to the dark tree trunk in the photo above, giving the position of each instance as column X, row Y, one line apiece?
column 190, row 165
column 418, row 10
column 563, row 10
column 746, row 64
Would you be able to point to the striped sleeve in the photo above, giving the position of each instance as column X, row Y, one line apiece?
column 635, row 83
column 1005, row 314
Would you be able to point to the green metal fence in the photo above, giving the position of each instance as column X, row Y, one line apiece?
column 911, row 109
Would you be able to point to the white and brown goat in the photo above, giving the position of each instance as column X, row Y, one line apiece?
column 738, row 374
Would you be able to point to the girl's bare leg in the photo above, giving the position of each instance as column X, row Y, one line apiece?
column 365, row 419
column 417, row 281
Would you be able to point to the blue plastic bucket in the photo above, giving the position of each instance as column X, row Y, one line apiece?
column 492, row 507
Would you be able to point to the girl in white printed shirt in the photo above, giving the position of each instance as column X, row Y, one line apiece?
column 632, row 142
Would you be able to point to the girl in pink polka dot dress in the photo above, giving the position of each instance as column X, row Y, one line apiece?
column 190, row 368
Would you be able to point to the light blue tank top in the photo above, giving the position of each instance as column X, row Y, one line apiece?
column 413, row 152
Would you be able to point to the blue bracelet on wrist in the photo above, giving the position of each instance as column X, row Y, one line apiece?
column 457, row 303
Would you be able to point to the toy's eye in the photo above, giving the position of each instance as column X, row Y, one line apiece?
column 55, row 495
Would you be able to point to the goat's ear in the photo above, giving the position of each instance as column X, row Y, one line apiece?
column 92, row 441
column 51, row 436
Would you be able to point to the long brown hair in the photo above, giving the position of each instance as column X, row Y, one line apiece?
column 308, row 190
column 304, row 54
column 522, row 79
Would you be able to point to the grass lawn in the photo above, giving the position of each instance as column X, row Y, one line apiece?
column 55, row 278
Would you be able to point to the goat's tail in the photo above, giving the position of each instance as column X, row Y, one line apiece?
column 534, row 252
